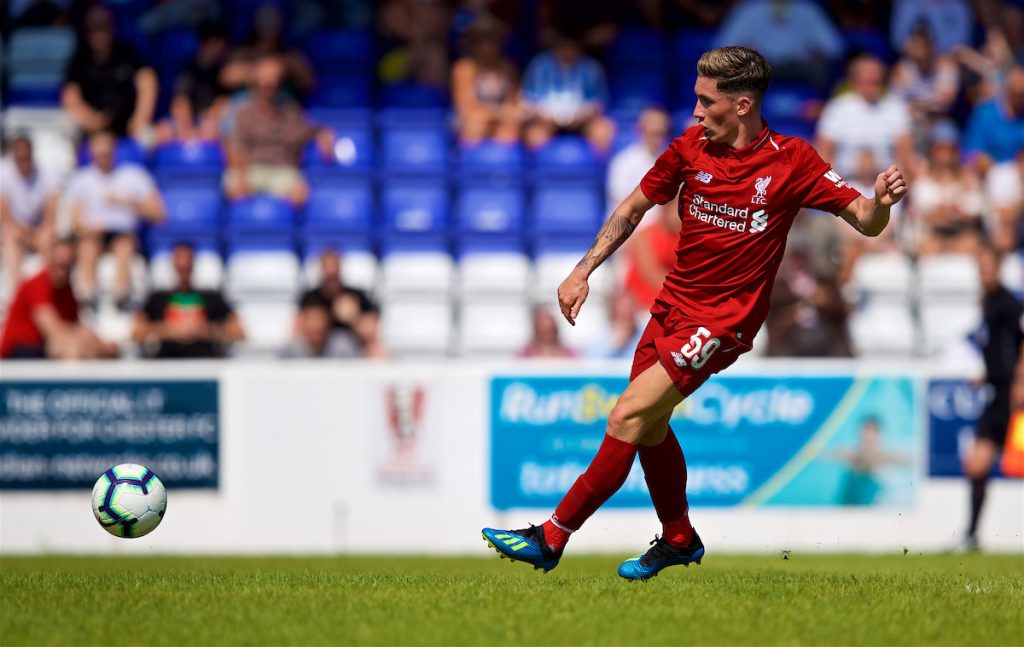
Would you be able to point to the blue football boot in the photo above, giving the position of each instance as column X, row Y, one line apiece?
column 526, row 545
column 661, row 555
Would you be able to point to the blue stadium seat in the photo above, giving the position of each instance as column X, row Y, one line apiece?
column 640, row 46
column 393, row 243
column 339, row 119
column 561, row 244
column 199, row 242
column 192, row 209
column 352, row 155
column 333, row 50
column 340, row 208
column 491, row 158
column 484, row 209
column 128, row 151
column 415, row 151
column 416, row 207
column 411, row 95
column 689, row 44
column 874, row 41
column 566, row 156
column 315, row 243
column 569, row 208
column 636, row 88
column 426, row 118
column 189, row 157
column 261, row 214
column 490, row 244
column 347, row 89
column 789, row 102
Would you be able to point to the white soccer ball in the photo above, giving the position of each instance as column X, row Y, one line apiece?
column 129, row 501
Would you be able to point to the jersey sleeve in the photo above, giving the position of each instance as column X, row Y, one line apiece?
column 819, row 186
column 661, row 183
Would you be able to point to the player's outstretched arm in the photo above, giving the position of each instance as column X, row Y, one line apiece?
column 870, row 216
column 574, row 289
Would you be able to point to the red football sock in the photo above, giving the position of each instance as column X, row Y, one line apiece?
column 605, row 475
column 665, row 473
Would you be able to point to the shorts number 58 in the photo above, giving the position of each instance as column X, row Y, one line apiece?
column 700, row 347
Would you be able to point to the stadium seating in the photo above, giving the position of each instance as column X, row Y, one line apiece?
column 261, row 214
column 353, row 154
column 417, row 327
column 415, row 207
column 483, row 209
column 359, row 267
column 415, row 151
column 490, row 159
column 190, row 210
column 341, row 208
column 261, row 270
column 267, row 323
column 207, row 273
column 416, row 267
column 566, row 156
column 36, row 59
column 494, row 272
column 883, row 329
column 489, row 327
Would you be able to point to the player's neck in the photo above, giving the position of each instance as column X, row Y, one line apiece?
column 748, row 131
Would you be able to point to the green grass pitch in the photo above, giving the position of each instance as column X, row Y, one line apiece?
column 750, row 600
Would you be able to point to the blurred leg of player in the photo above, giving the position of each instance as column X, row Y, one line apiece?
column 648, row 400
column 989, row 440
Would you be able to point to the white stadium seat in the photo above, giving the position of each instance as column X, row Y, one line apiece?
column 207, row 273
column 1012, row 272
column 488, row 327
column 949, row 274
column 267, row 324
column 262, row 273
column 947, row 323
column 106, row 273
column 358, row 270
column 551, row 270
column 883, row 329
column 591, row 326
column 494, row 273
column 417, row 327
column 882, row 275
column 417, row 273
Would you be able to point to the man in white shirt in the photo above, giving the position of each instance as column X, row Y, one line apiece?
column 106, row 202
column 28, row 207
column 1004, row 188
column 628, row 166
column 866, row 117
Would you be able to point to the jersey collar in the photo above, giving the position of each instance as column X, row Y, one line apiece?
column 763, row 138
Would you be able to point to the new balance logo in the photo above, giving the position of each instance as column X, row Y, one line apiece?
column 758, row 220
column 704, row 176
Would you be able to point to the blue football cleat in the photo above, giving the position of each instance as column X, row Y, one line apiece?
column 526, row 545
column 661, row 555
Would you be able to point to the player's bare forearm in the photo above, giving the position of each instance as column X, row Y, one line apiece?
column 574, row 289
column 869, row 216
column 619, row 226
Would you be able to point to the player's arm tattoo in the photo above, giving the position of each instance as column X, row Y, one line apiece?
column 613, row 233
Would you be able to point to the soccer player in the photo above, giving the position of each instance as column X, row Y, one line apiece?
column 742, row 186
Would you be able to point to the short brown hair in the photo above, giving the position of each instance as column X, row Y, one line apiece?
column 737, row 70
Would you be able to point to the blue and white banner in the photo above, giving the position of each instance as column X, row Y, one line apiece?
column 747, row 440
column 954, row 407
column 63, row 435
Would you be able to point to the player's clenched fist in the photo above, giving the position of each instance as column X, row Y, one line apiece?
column 571, row 294
column 890, row 187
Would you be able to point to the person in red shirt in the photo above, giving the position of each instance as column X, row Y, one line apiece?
column 742, row 186
column 42, row 321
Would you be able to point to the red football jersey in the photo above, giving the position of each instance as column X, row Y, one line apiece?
column 736, row 207
column 20, row 328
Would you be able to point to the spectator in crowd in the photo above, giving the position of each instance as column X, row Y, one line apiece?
column 185, row 321
column 485, row 89
column 316, row 335
column 267, row 39
column 106, row 87
column 865, row 116
column 565, row 91
column 951, row 22
column 42, row 321
column 107, row 201
column 418, row 53
column 995, row 131
column 926, row 80
column 624, row 329
column 1004, row 190
column 986, row 67
column 28, row 206
column 353, row 314
column 796, row 36
column 808, row 314
column 545, row 341
column 266, row 143
column 651, row 254
column 199, row 98
column 628, row 166
column 948, row 202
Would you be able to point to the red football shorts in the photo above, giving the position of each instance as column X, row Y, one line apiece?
column 690, row 351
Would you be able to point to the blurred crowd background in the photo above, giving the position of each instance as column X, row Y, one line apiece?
column 345, row 178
